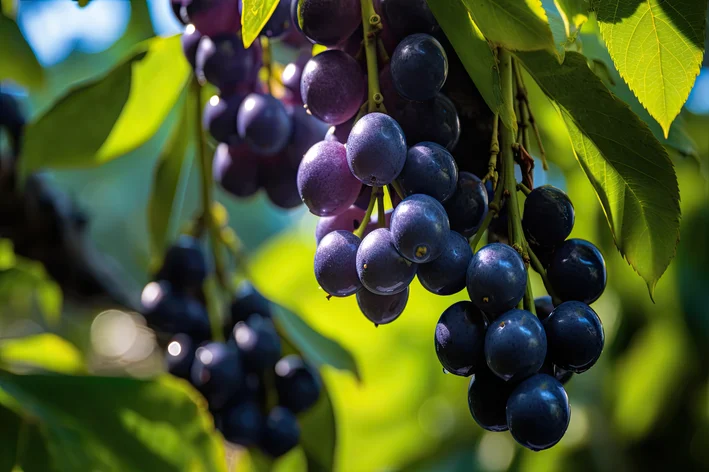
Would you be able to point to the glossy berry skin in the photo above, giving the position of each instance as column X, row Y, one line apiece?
column 219, row 118
column 279, row 22
column 185, row 265
column 259, row 343
column 515, row 345
column 575, row 335
column 406, row 17
column 298, row 384
column 235, row 169
column 434, row 120
column 543, row 306
column 217, row 373
column 263, row 122
column 248, row 301
column 419, row 227
column 242, row 423
column 496, row 278
column 214, row 17
column 281, row 187
column 380, row 268
column 332, row 86
column 538, row 412
column 223, row 61
column 487, row 400
column 292, row 74
column 459, row 339
column 335, row 264
column 307, row 131
column 179, row 356
column 376, row 149
column 190, row 41
column 429, row 169
column 548, row 216
column 325, row 183
column 281, row 433
column 467, row 207
column 328, row 22
column 419, row 67
column 382, row 309
column 557, row 372
column 577, row 271
column 170, row 312
column 349, row 220
column 446, row 274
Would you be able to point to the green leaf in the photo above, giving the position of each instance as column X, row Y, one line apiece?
column 42, row 351
column 170, row 179
column 316, row 348
column 17, row 60
column 657, row 46
column 574, row 12
column 557, row 26
column 119, row 424
column 319, row 434
column 254, row 16
column 475, row 53
column 628, row 168
column 517, row 25
column 135, row 97
column 33, row 456
column 10, row 424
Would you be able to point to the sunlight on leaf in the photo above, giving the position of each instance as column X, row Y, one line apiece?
column 254, row 16
column 42, row 352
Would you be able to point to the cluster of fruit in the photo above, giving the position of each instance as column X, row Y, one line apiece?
column 238, row 378
column 261, row 138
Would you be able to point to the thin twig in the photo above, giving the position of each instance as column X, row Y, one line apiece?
column 492, row 173
column 522, row 91
column 359, row 232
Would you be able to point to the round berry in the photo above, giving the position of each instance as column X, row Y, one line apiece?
column 279, row 22
column 380, row 267
column 548, row 216
column 575, row 335
column 292, row 74
column 515, row 345
column 538, row 412
column 223, row 61
column 487, row 400
column 185, row 265
column 496, row 278
column 406, row 17
column 214, row 17
column 170, row 312
column 543, row 306
column 459, row 339
column 248, row 301
column 328, row 22
column 335, row 264
column 297, row 383
column 382, row 309
column 281, row 433
column 467, row 207
column 376, row 149
column 419, row 67
column 217, row 373
column 219, row 118
column 555, row 371
column 429, row 169
column 419, row 226
column 242, row 423
column 259, row 342
column 235, row 169
column 263, row 122
column 325, row 183
column 577, row 271
column 190, row 41
column 349, row 220
column 433, row 120
column 446, row 274
column 179, row 356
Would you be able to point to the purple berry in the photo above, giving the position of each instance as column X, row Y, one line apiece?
column 419, row 227
column 190, row 41
column 214, row 17
column 376, row 149
column 223, row 61
column 575, row 335
column 467, row 207
column 328, row 22
column 292, row 74
column 219, row 118
column 446, row 274
column 279, row 22
column 382, row 309
column 235, row 169
column 429, row 169
column 349, row 220
column 380, row 267
column 496, row 278
column 515, row 345
column 548, row 216
column 335, row 264
column 263, row 122
column 577, row 271
column 459, row 339
column 419, row 67
column 433, row 120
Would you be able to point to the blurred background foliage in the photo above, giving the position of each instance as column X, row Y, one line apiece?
column 646, row 405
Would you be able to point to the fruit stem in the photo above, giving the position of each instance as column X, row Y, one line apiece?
column 494, row 151
column 537, row 265
column 381, row 215
column 524, row 98
column 397, row 188
column 528, row 300
column 372, row 23
column 524, row 189
column 359, row 232
column 493, row 209
column 266, row 55
column 213, row 300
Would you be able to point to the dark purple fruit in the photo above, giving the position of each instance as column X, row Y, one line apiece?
column 577, row 271
column 446, row 274
column 382, row 309
column 459, row 339
column 419, row 227
column 380, row 267
column 496, row 278
column 335, row 264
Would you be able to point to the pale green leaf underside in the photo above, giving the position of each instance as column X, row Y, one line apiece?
column 657, row 46
column 558, row 27
column 475, row 53
column 517, row 25
column 254, row 16
column 628, row 168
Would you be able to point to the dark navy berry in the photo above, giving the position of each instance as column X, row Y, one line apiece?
column 543, row 306
column 259, row 342
column 242, row 423
column 169, row 312
column 376, row 149
column 219, row 118
column 419, row 67
column 577, row 271
column 217, row 373
column 263, row 122
column 179, row 356
column 297, row 383
column 281, row 433
column 248, row 301
column 575, row 336
column 336, row 264
column 382, row 309
column 429, row 169
column 434, row 120
column 487, row 400
column 446, row 274
column 279, row 22
column 555, row 371
column 459, row 339
column 543, row 253
column 548, row 216
column 223, row 61
column 538, row 412
column 380, row 267
column 328, row 22
column 419, row 227
column 185, row 264
column 515, row 345
column 468, row 206
column 496, row 278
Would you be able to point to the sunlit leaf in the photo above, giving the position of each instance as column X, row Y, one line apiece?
column 574, row 12
column 42, row 352
column 254, row 16
column 657, row 46
column 628, row 168
column 557, row 26
column 17, row 60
